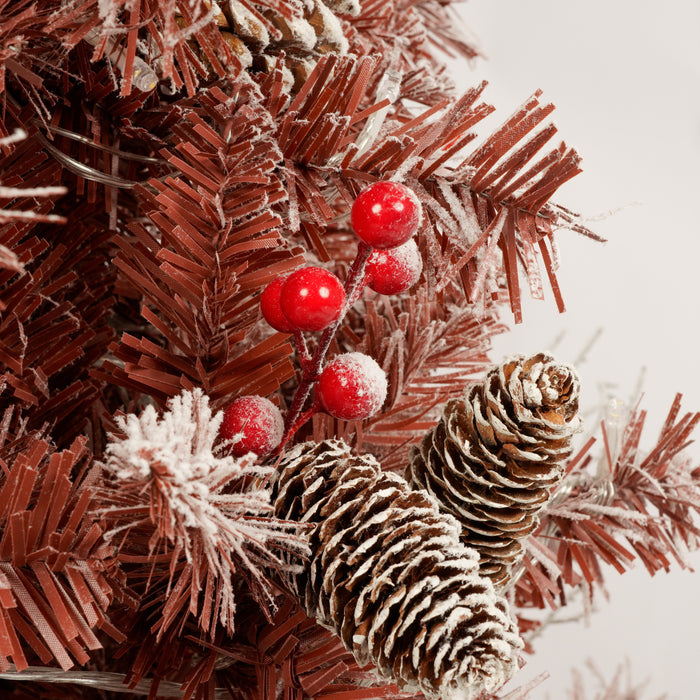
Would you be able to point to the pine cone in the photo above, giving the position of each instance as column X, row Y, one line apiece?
column 259, row 39
column 495, row 454
column 389, row 575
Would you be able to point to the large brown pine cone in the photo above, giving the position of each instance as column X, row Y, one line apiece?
column 389, row 575
column 493, row 457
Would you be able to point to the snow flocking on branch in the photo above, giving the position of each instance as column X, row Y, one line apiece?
column 177, row 451
column 167, row 480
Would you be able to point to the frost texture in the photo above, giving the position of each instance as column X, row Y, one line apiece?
column 373, row 384
column 170, row 483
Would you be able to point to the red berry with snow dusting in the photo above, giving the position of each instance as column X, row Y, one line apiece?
column 395, row 270
column 352, row 386
column 254, row 424
column 385, row 214
column 312, row 298
column 271, row 309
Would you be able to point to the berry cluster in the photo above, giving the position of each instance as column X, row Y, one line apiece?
column 385, row 217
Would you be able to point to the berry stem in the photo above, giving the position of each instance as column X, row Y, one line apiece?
column 302, row 349
column 356, row 277
column 303, row 417
column 312, row 368
column 354, row 295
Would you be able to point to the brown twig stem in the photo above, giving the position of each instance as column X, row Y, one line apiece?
column 302, row 349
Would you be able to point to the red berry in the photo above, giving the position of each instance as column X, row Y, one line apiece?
column 352, row 386
column 386, row 214
column 395, row 270
column 312, row 298
column 271, row 309
column 254, row 424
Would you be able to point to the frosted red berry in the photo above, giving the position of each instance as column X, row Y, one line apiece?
column 254, row 424
column 385, row 214
column 352, row 386
column 312, row 298
column 271, row 309
column 395, row 270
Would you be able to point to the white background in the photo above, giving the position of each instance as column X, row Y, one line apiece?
column 625, row 76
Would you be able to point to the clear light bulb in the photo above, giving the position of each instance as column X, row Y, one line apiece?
column 144, row 78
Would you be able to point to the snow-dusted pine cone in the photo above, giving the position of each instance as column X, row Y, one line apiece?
column 390, row 576
column 303, row 31
column 495, row 454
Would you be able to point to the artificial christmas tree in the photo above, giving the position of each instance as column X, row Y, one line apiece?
column 170, row 173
